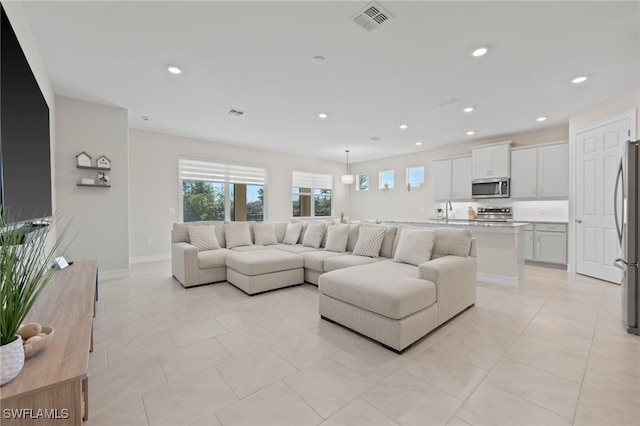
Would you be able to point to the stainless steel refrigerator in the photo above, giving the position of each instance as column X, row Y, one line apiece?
column 626, row 208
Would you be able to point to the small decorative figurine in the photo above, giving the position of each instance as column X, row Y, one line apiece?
column 84, row 159
column 103, row 162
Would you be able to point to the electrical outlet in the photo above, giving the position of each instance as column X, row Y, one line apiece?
column 172, row 210
column 148, row 240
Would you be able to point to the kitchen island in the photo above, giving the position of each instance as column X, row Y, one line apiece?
column 500, row 247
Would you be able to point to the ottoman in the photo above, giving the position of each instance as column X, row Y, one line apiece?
column 262, row 270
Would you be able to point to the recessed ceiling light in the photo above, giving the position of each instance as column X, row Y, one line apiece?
column 471, row 133
column 374, row 138
column 480, row 51
column 579, row 80
column 318, row 59
column 145, row 117
column 418, row 143
column 468, row 109
column 174, row 69
column 541, row 119
column 404, row 126
column 322, row 115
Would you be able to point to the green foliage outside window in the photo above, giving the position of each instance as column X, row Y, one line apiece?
column 202, row 200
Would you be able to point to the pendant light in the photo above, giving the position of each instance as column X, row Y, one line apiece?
column 347, row 179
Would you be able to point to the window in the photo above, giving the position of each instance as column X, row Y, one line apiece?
column 415, row 176
column 221, row 191
column 311, row 194
column 362, row 182
column 386, row 179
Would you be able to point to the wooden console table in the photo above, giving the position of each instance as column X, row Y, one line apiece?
column 52, row 388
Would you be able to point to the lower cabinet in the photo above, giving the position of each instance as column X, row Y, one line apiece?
column 546, row 242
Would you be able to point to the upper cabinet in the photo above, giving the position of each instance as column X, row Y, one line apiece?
column 492, row 161
column 461, row 178
column 453, row 179
column 443, row 179
column 540, row 172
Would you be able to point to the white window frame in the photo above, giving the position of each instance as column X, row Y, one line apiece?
column 408, row 178
column 358, row 182
column 381, row 180
column 313, row 181
column 203, row 169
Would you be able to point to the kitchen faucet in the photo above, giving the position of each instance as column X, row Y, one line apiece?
column 447, row 207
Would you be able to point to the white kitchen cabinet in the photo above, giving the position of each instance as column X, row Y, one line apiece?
column 523, row 173
column 443, row 179
column 492, row 161
column 546, row 242
column 528, row 242
column 540, row 172
column 461, row 178
column 553, row 171
column 453, row 179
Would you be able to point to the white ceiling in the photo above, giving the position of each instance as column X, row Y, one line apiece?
column 256, row 57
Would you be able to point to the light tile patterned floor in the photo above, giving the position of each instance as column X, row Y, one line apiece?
column 552, row 351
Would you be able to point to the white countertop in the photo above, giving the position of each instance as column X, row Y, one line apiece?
column 479, row 225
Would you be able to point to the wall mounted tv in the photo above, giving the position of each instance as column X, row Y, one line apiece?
column 25, row 159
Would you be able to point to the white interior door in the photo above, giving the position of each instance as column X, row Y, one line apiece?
column 598, row 152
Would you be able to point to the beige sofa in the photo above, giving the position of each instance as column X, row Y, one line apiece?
column 389, row 299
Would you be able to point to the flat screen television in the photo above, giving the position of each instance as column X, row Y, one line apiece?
column 25, row 145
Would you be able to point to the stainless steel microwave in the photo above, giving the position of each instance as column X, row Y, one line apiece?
column 490, row 188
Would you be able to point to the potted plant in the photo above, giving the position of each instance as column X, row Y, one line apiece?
column 26, row 253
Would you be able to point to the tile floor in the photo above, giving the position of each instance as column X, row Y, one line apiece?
column 552, row 351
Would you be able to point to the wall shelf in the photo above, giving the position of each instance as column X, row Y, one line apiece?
column 94, row 185
column 102, row 169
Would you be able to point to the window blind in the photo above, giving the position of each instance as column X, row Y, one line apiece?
column 312, row 180
column 205, row 170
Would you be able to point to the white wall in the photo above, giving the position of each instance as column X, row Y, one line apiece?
column 154, row 190
column 419, row 203
column 619, row 105
column 99, row 215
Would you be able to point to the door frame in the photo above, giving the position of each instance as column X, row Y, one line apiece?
column 573, row 153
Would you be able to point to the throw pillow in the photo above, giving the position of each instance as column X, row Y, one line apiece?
column 265, row 234
column 450, row 241
column 204, row 237
column 415, row 246
column 281, row 230
column 314, row 234
column 292, row 234
column 305, row 225
column 238, row 234
column 387, row 242
column 369, row 241
column 354, row 229
column 337, row 237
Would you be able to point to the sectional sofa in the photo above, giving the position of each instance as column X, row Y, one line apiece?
column 393, row 284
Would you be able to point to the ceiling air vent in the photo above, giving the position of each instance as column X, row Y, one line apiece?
column 236, row 112
column 371, row 17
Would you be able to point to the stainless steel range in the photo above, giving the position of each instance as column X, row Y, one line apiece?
column 495, row 214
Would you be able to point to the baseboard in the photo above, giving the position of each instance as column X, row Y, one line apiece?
column 497, row 279
column 148, row 259
column 113, row 275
